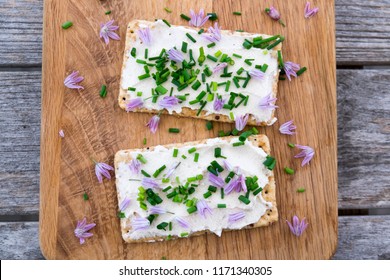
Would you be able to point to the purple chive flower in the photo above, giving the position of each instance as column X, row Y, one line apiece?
column 157, row 210
column 218, row 104
column 135, row 166
column 213, row 34
column 183, row 223
column 216, row 180
column 107, row 31
column 72, row 80
column 297, row 227
column 134, row 104
column 175, row 55
column 274, row 14
column 124, row 204
column 153, row 123
column 81, row 230
column 168, row 102
column 310, row 12
column 140, row 223
column 144, row 35
column 287, row 128
column 266, row 102
column 172, row 169
column 149, row 183
column 198, row 20
column 102, row 169
column 219, row 67
column 290, row 68
column 241, row 122
column 241, row 179
column 227, row 165
column 307, row 153
column 257, row 74
column 236, row 217
column 203, row 208
column 61, row 133
column 236, row 185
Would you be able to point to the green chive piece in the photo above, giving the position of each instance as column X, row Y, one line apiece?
column 199, row 177
column 161, row 90
column 183, row 16
column 131, row 89
column 192, row 209
column 144, row 141
column 213, row 58
column 103, row 91
column 196, row 85
column 168, row 10
column 173, row 130
column 201, row 31
column 146, row 174
column 245, row 135
column 239, row 30
column 213, row 16
column 243, row 199
column 291, row 145
column 217, row 152
column 141, row 158
column 184, row 46
column 85, row 196
column 270, row 162
column 190, row 37
column 227, row 86
column 237, row 13
column 196, row 157
column 183, row 234
column 108, row 12
column 235, row 132
column 231, row 114
column 207, row 194
column 133, row 52
column 256, row 192
column 192, row 150
column 143, row 206
column 211, row 45
column 66, row 24
column 264, row 68
column 209, row 125
column 238, row 144
column 301, row 190
column 217, row 54
column 139, row 93
column 166, row 22
column 221, row 205
column 158, row 171
column 212, row 188
column 144, row 76
column 184, row 157
column 201, row 108
column 277, row 42
column 301, row 71
column 237, row 55
column 289, row 170
column 121, row 215
column 175, row 152
column 280, row 59
column 162, row 225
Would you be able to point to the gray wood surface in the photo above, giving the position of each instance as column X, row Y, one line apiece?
column 362, row 32
column 360, row 237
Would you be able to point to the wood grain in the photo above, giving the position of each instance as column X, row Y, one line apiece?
column 67, row 171
column 362, row 32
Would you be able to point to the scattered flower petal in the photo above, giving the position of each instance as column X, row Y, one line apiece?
column 81, row 230
column 266, row 102
column 274, row 14
column 102, row 169
column 107, row 31
column 124, row 204
column 135, row 166
column 72, row 80
column 310, row 12
column 216, row 180
column 182, row 222
column 172, row 169
column 257, row 74
column 241, row 122
column 140, row 223
column 287, row 128
column 218, row 104
column 168, row 102
column 153, row 123
column 198, row 20
column 236, row 185
column 203, row 208
column 145, row 36
column 297, row 227
column 157, row 210
column 291, row 68
column 236, row 217
column 175, row 55
column 61, row 133
column 213, row 33
column 219, row 67
column 134, row 104
column 227, row 165
column 307, row 153
column 150, row 183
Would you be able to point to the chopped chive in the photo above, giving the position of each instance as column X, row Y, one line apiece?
column 175, row 152
column 245, row 135
column 184, row 157
column 207, row 194
column 238, row 144
column 192, row 209
column 107, row 12
column 199, row 177
column 301, row 71
column 289, row 170
column 237, row 13
column 222, row 193
column 66, row 24
column 131, row 89
column 103, row 91
column 168, row 10
column 212, row 170
column 171, row 195
column 141, row 158
column 254, row 130
column 211, row 45
column 144, row 141
column 221, row 205
column 264, row 68
column 237, row 55
column 213, row 16
column 212, row 188
column 239, row 30
column 291, row 145
column 231, row 114
column 196, row 157
column 218, row 53
column 209, row 125
column 196, row 85
column 140, row 61
column 277, row 42
column 183, row 16
column 158, row 171
column 227, row 86
column 162, row 226
column 190, row 37
column 257, row 191
column 183, row 234
column 280, row 59
column 161, row 90
column 235, row 132
column 247, row 45
column 246, row 100
column 217, row 152
column 133, row 52
column 184, row 47
column 85, row 196
column 235, row 81
column 144, row 76
column 146, row 174
column 244, row 199
column 249, row 61
column 301, row 190
column 270, row 162
column 213, row 58
column 192, row 150
column 201, row 31
column 201, row 108
column 166, row 22
column 173, row 130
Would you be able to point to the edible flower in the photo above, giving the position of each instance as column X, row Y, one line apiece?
column 140, row 223
column 72, row 80
column 266, row 102
column 122, row 207
column 241, row 122
column 219, row 67
column 157, row 210
column 135, row 166
column 134, row 104
column 257, row 74
column 203, row 208
column 218, row 104
column 102, row 169
column 61, row 133
column 198, row 20
column 274, row 14
column 175, row 55
column 182, row 222
column 291, row 68
column 297, row 227
column 307, row 153
column 153, row 123
column 144, row 35
column 236, row 217
column 81, row 230
column 310, row 12
column 149, row 183
column 172, row 169
column 228, row 165
column 213, row 34
column 216, row 180
column 107, row 31
column 168, row 102
column 287, row 128
column 237, row 185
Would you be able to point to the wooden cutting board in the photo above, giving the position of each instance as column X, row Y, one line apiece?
column 98, row 128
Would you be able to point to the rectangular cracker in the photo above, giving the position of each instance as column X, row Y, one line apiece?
column 256, row 87
column 125, row 157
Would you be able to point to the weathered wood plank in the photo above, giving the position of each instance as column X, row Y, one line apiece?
column 362, row 32
column 364, row 145
column 360, row 237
